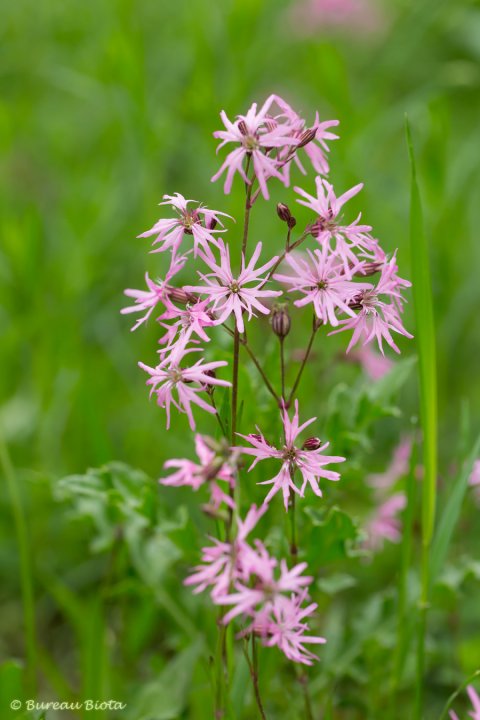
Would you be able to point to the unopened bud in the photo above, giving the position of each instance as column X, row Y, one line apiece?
column 368, row 269
column 283, row 212
column 307, row 136
column 312, row 443
column 281, row 322
column 242, row 126
column 180, row 295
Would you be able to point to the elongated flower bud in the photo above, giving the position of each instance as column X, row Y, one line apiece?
column 242, row 126
column 368, row 269
column 281, row 322
column 180, row 295
column 283, row 212
column 312, row 443
column 307, row 136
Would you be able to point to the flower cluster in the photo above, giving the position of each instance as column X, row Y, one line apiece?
column 334, row 276
column 244, row 577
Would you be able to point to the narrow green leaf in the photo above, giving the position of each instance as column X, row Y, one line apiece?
column 451, row 514
column 425, row 339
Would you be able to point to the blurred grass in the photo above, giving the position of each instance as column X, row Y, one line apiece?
column 105, row 107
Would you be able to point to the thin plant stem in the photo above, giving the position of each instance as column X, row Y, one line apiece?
column 282, row 364
column 256, row 362
column 403, row 627
column 217, row 415
column 293, row 527
column 288, row 249
column 304, row 361
column 255, row 678
column 302, row 678
column 236, row 351
column 26, row 575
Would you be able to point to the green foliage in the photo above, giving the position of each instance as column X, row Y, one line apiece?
column 104, row 110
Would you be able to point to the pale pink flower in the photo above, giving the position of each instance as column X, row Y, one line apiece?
column 255, row 136
column 384, row 524
column 308, row 459
column 281, row 623
column 322, row 280
column 188, row 321
column 157, row 292
column 328, row 227
column 475, row 700
column 198, row 223
column 187, row 382
column 374, row 320
column 246, row 600
column 316, row 149
column 229, row 294
column 397, row 469
column 223, row 562
column 354, row 17
column 474, row 479
column 374, row 364
column 212, row 467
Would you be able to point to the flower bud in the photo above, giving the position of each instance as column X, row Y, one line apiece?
column 281, row 322
column 307, row 136
column 180, row 295
column 242, row 126
column 283, row 212
column 312, row 443
column 368, row 269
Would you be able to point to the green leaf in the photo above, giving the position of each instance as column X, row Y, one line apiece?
column 451, row 514
column 334, row 535
column 425, row 339
column 336, row 583
column 165, row 698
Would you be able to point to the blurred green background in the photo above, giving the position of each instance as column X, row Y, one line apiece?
column 104, row 107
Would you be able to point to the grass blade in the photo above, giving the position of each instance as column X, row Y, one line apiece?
column 451, row 513
column 427, row 378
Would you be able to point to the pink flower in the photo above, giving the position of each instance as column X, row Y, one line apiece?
column 384, row 524
column 212, row 467
column 280, row 623
column 198, row 223
column 190, row 320
column 308, row 459
column 374, row 364
column 266, row 587
column 475, row 700
column 316, row 149
column 255, row 135
column 374, row 321
column 169, row 376
column 474, row 479
column 232, row 295
column 223, row 562
column 321, row 16
column 376, row 318
column 327, row 226
column 157, row 292
column 322, row 280
column 397, row 469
